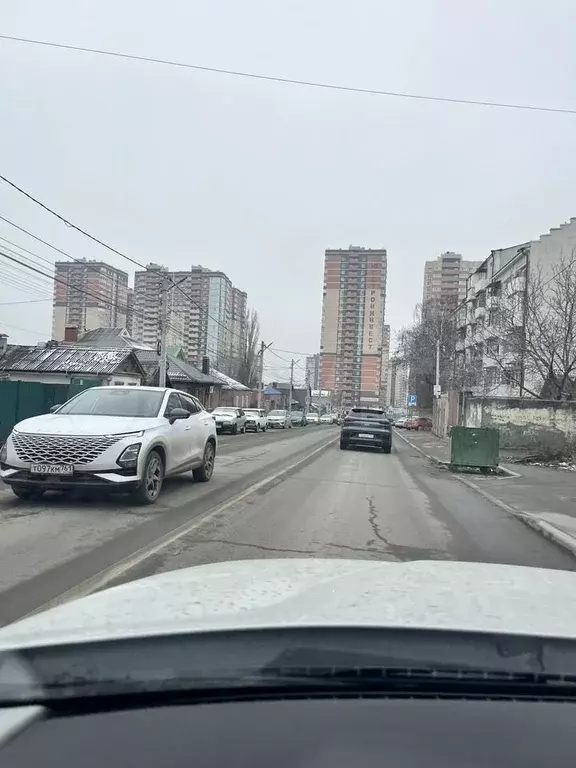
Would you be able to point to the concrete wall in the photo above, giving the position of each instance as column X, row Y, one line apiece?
column 535, row 426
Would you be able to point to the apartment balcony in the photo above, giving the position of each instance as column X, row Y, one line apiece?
column 480, row 283
column 479, row 312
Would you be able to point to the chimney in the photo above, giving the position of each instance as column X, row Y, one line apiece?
column 3, row 343
column 71, row 334
column 206, row 365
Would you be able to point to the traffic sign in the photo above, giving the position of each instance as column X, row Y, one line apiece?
column 412, row 400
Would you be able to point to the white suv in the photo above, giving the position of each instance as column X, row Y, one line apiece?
column 256, row 419
column 112, row 438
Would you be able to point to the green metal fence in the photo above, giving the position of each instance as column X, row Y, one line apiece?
column 22, row 399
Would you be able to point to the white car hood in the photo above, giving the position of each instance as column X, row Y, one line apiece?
column 64, row 424
column 250, row 594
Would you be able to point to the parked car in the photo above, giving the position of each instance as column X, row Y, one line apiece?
column 335, row 418
column 229, row 419
column 298, row 418
column 367, row 427
column 326, row 418
column 401, row 423
column 256, row 419
column 111, row 439
column 419, row 424
column 313, row 418
column 279, row 419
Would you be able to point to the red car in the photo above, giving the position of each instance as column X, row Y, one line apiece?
column 420, row 424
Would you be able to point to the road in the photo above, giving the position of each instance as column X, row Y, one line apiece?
column 281, row 494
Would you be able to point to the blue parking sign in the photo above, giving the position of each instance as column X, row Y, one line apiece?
column 412, row 400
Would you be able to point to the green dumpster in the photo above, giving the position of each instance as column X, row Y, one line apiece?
column 475, row 447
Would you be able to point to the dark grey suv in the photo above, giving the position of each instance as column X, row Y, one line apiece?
column 368, row 427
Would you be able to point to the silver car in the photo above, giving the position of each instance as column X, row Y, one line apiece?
column 278, row 419
column 229, row 419
column 112, row 439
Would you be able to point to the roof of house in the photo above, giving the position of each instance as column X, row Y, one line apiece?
column 109, row 338
column 178, row 370
column 228, row 382
column 65, row 359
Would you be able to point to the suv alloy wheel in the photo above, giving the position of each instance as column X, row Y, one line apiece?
column 203, row 473
column 152, row 479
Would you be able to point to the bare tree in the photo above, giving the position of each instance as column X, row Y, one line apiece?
column 248, row 366
column 417, row 348
column 530, row 337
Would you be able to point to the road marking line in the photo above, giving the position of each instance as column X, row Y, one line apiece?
column 104, row 577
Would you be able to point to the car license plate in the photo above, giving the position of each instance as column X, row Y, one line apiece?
column 52, row 469
column 366, row 435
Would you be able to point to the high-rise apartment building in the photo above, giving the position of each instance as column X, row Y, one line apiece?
column 353, row 324
column 206, row 314
column 385, row 374
column 399, row 378
column 313, row 371
column 88, row 295
column 445, row 279
column 130, row 310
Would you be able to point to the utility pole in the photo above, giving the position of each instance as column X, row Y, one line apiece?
column 163, row 332
column 263, row 348
column 292, row 364
column 437, row 388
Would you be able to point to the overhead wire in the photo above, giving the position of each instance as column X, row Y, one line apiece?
column 288, row 80
column 174, row 313
column 114, row 250
column 90, row 294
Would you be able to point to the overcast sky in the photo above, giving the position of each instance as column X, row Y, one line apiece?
column 257, row 178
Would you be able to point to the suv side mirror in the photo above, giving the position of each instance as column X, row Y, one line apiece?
column 54, row 408
column 176, row 414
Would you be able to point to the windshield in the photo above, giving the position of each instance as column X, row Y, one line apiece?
column 277, row 413
column 122, row 401
column 252, row 411
column 228, row 411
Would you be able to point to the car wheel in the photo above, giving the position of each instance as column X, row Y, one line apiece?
column 387, row 448
column 257, row 428
column 343, row 445
column 234, row 430
column 203, row 473
column 152, row 479
column 26, row 493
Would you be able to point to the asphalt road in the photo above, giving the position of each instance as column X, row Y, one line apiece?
column 282, row 494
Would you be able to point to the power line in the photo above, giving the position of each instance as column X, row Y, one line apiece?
column 26, row 330
column 113, row 250
column 287, row 80
column 100, row 298
column 292, row 352
column 27, row 301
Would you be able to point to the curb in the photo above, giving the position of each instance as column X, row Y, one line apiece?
column 549, row 531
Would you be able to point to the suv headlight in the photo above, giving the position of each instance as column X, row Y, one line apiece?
column 3, row 454
column 129, row 456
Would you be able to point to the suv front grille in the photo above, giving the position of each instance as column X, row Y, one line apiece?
column 60, row 449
